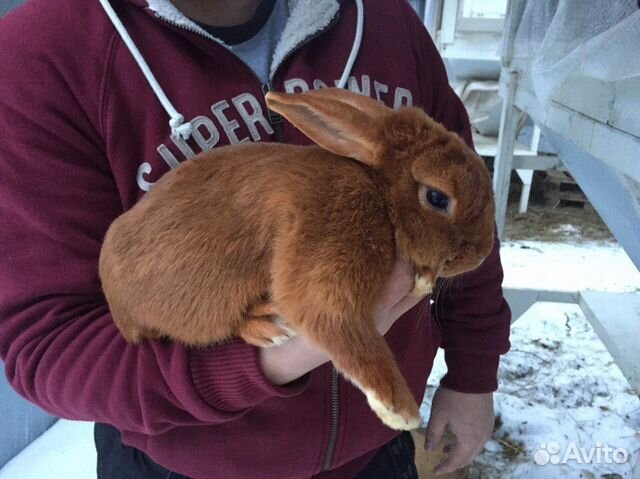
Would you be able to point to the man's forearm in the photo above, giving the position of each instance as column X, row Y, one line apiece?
column 287, row 362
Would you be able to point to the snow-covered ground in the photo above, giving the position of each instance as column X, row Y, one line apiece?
column 560, row 390
column 65, row 451
column 562, row 400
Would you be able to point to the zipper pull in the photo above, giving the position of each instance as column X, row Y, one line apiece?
column 275, row 119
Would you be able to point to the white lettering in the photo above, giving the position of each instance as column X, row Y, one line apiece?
column 143, row 169
column 352, row 84
column 228, row 125
column 168, row 157
column 380, row 88
column 620, row 455
column 587, row 456
column 317, row 84
column 403, row 97
column 252, row 119
column 292, row 84
column 572, row 452
column 606, row 451
column 205, row 133
column 182, row 145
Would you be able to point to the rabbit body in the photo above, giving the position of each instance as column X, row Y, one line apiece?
column 230, row 242
column 240, row 224
column 231, row 227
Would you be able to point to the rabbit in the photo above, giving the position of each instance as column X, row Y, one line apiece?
column 263, row 240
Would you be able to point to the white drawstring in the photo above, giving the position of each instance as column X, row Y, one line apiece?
column 356, row 46
column 178, row 127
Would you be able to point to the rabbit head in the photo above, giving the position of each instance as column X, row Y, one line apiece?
column 437, row 189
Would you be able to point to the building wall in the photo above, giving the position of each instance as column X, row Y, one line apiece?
column 20, row 422
column 6, row 5
column 418, row 6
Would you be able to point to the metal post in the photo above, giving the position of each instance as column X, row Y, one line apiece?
column 504, row 158
column 526, row 176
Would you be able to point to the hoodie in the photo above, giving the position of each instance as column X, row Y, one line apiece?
column 87, row 130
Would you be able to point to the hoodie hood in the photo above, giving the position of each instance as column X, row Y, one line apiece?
column 306, row 18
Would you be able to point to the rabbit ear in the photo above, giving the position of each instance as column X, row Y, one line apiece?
column 340, row 121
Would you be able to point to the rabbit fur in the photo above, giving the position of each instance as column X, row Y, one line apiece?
column 233, row 241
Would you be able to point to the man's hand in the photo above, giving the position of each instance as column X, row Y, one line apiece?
column 395, row 298
column 469, row 417
column 298, row 356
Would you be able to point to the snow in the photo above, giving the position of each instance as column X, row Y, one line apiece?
column 558, row 384
column 568, row 267
column 64, row 451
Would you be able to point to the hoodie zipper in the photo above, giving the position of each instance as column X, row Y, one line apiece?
column 275, row 119
column 335, row 417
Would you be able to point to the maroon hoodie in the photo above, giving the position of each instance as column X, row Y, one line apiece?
column 84, row 136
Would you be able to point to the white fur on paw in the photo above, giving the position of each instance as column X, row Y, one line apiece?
column 278, row 340
column 289, row 332
column 422, row 286
column 389, row 417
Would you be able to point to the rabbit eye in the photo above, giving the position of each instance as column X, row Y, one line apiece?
column 438, row 200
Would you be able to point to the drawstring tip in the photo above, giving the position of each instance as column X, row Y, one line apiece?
column 183, row 131
column 179, row 129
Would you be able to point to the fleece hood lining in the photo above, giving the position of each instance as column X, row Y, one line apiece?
column 166, row 10
column 306, row 17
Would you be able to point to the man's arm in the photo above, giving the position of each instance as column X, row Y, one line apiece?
column 58, row 342
column 471, row 310
column 298, row 356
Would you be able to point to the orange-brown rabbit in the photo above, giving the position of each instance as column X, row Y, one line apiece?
column 233, row 240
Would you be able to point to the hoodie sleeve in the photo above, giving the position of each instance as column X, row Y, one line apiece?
column 60, row 347
column 473, row 315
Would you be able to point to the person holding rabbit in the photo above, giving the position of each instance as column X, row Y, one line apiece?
column 84, row 104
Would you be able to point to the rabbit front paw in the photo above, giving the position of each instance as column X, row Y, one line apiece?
column 266, row 332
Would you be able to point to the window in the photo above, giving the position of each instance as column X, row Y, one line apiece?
column 482, row 15
column 484, row 8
